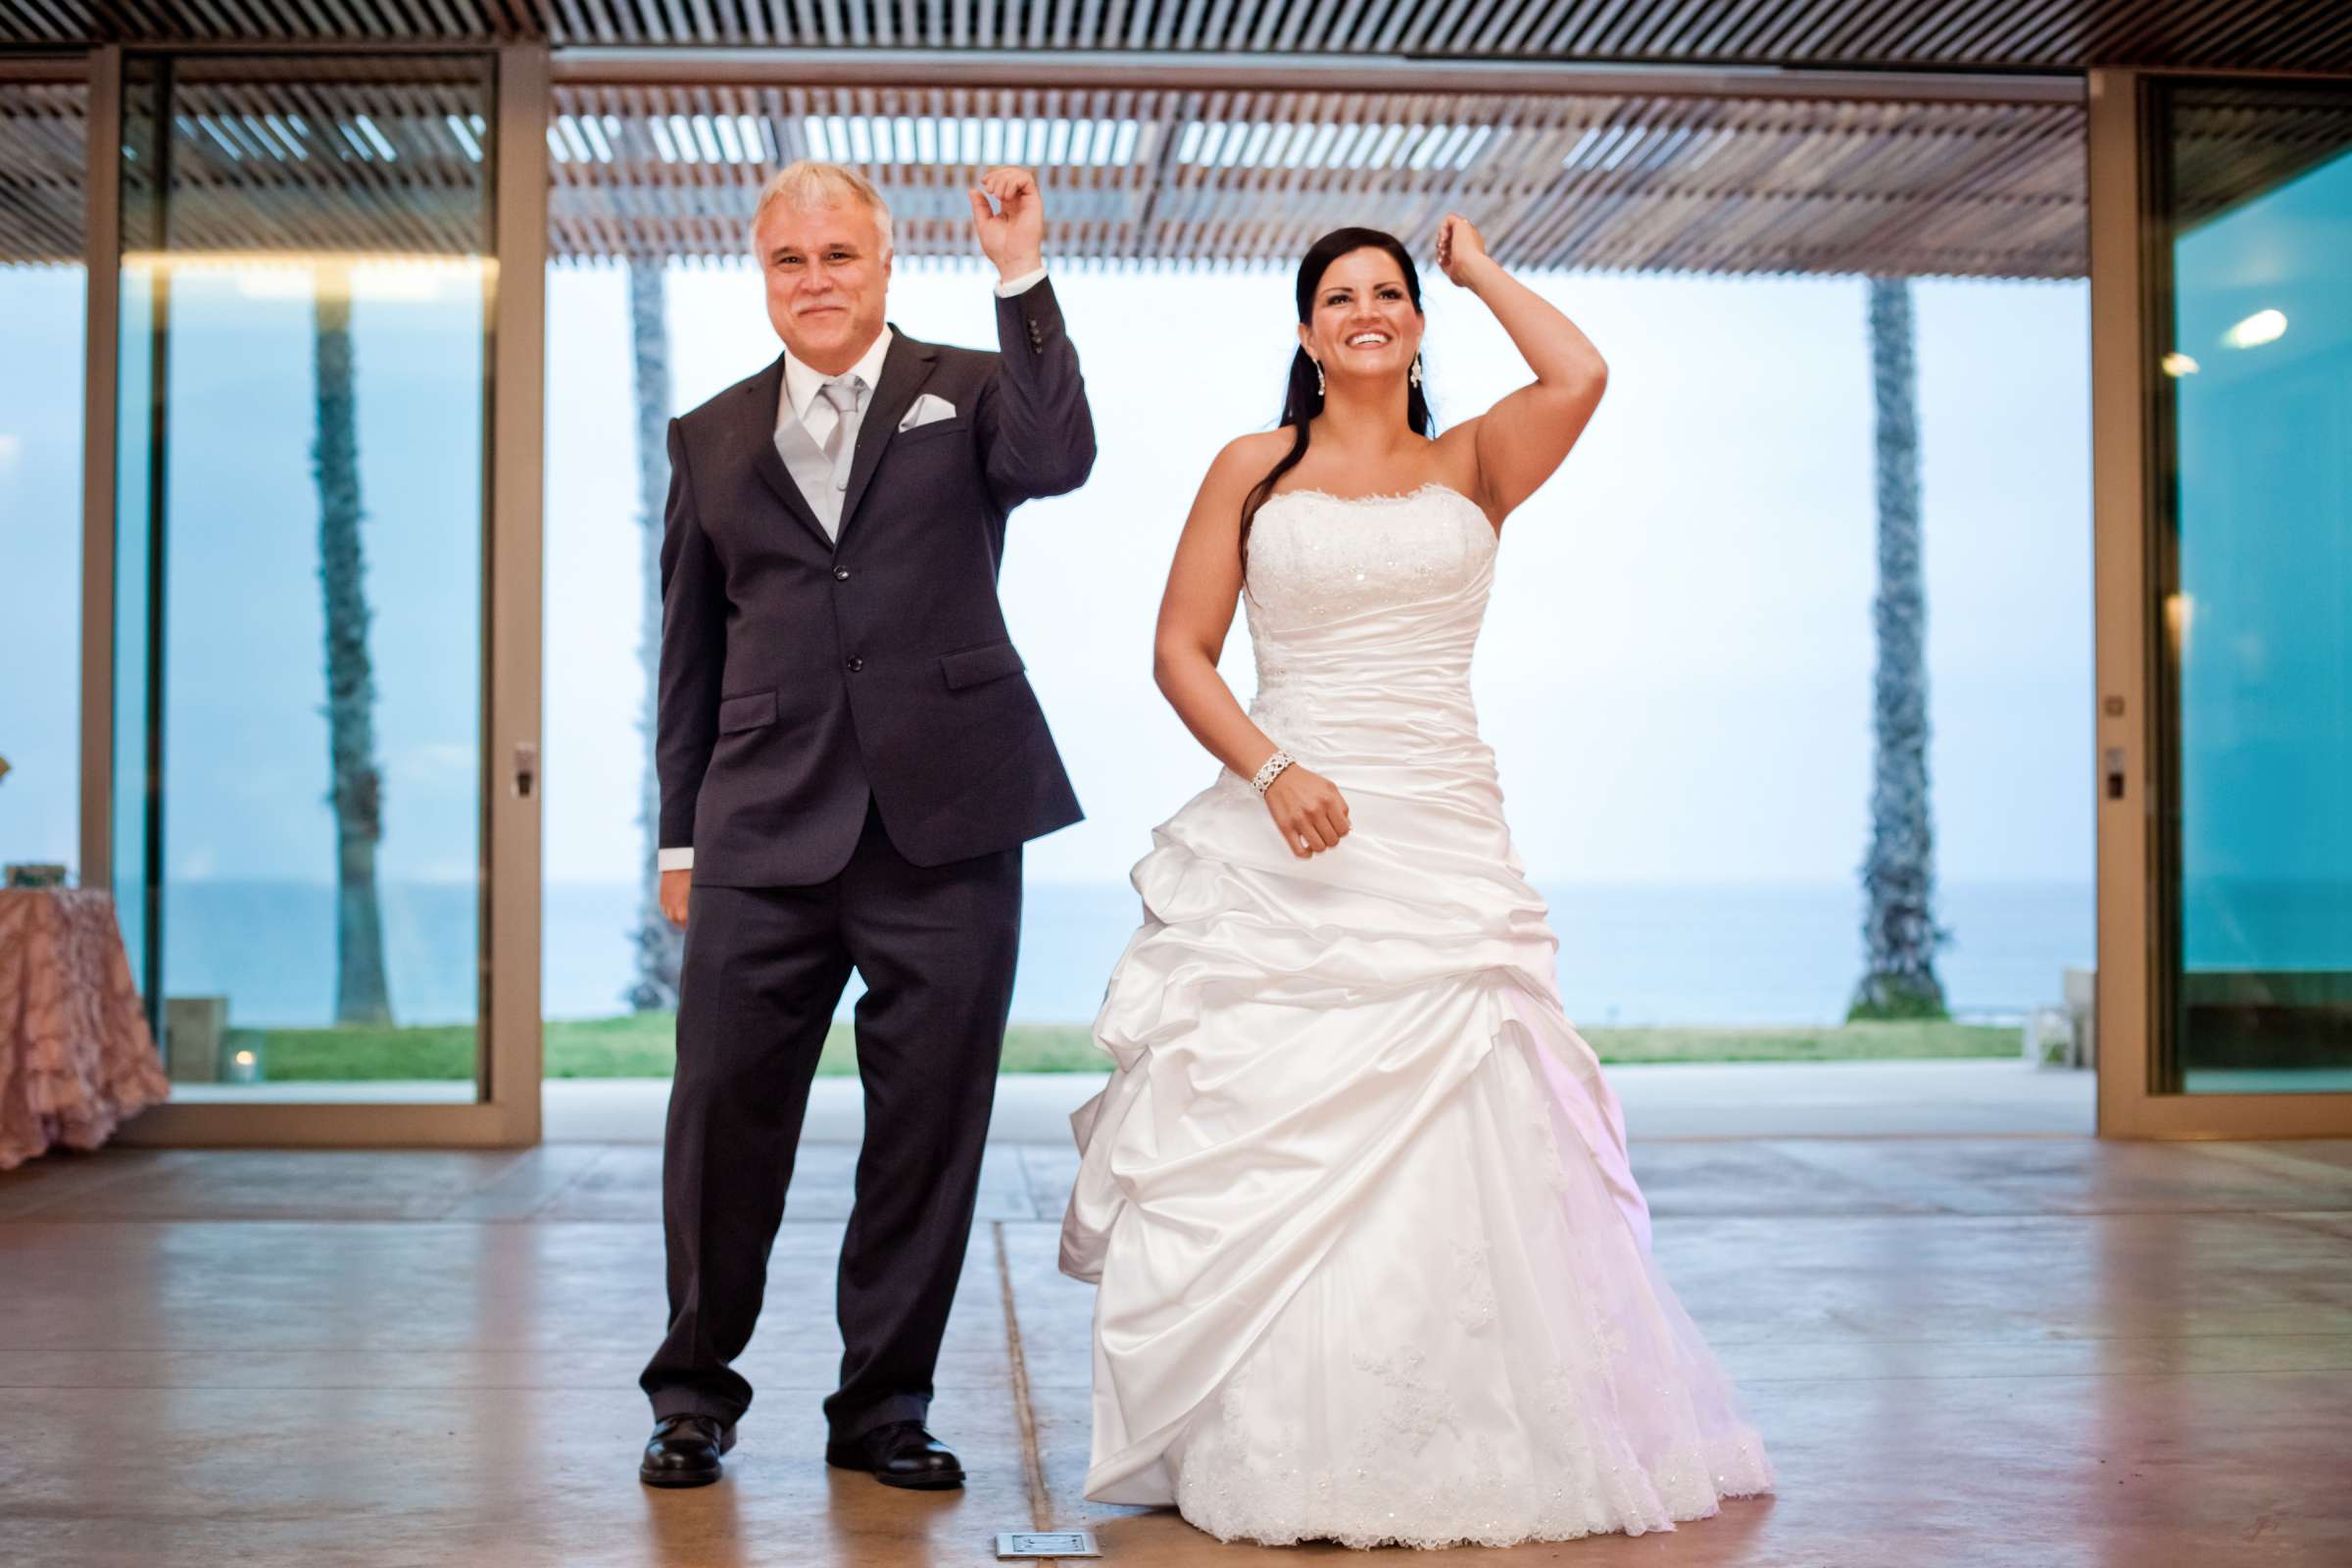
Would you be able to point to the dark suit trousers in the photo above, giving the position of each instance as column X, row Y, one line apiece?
column 763, row 969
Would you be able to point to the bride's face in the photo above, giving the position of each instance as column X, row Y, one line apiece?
column 1364, row 323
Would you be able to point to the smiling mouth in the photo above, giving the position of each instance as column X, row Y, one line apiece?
column 1370, row 341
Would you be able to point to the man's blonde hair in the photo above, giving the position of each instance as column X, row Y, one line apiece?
column 807, row 183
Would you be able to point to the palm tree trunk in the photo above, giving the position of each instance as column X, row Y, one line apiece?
column 1898, row 878
column 357, row 789
column 660, row 946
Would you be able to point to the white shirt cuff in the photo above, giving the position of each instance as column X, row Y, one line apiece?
column 1021, row 284
column 679, row 859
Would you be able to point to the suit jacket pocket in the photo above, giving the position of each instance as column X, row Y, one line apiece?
column 748, row 712
column 952, row 426
column 970, row 667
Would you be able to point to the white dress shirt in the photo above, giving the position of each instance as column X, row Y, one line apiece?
column 799, row 401
column 801, row 382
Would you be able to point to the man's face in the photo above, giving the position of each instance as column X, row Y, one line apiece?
column 827, row 278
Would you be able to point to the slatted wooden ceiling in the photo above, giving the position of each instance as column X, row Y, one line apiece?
column 1656, row 184
column 2238, row 141
column 2028, row 34
column 41, row 156
column 1717, row 185
column 383, row 168
column 1633, row 183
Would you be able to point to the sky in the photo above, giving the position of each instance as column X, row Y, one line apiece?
column 1675, row 673
column 1676, row 668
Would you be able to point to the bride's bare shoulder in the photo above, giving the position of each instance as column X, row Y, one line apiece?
column 1456, row 450
column 1244, row 459
column 1257, row 450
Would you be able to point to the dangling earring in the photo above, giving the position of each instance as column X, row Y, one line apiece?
column 1414, row 374
column 1318, row 377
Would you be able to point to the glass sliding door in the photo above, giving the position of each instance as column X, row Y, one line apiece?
column 41, row 308
column 2220, row 218
column 2252, row 567
column 302, row 516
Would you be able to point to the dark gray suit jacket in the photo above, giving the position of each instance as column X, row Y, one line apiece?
column 803, row 675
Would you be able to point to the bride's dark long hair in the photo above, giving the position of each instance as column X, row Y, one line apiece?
column 1303, row 401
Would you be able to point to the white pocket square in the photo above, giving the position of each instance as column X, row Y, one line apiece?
column 927, row 409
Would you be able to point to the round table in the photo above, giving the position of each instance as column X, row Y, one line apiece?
column 76, row 1058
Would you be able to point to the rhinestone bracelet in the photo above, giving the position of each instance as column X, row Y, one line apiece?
column 1270, row 769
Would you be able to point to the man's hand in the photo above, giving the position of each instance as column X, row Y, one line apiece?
column 674, row 885
column 1012, row 234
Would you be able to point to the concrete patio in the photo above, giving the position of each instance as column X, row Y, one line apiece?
column 1984, row 1096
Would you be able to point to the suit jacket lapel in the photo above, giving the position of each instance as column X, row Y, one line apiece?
column 904, row 369
column 762, row 398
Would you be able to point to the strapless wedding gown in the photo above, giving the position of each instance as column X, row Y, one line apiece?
column 1373, row 1267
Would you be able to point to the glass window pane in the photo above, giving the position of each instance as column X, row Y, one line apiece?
column 41, row 313
column 305, row 359
column 2256, row 621
column 1695, row 922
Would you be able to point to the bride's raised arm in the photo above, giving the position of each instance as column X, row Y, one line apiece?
column 1521, row 439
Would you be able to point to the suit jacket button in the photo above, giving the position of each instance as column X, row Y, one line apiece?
column 841, row 574
column 856, row 663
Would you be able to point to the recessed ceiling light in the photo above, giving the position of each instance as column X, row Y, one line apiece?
column 2263, row 326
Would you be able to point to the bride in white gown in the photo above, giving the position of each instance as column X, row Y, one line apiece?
column 1373, row 1267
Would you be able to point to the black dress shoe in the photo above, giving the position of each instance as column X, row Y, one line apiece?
column 898, row 1455
column 684, row 1451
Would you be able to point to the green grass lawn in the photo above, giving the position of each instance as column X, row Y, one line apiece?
column 640, row 1046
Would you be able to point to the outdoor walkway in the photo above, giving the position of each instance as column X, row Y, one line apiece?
column 1963, row 1351
column 1982, row 1097
column 1676, row 1100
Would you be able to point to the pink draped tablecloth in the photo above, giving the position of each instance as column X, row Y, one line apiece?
column 76, row 1058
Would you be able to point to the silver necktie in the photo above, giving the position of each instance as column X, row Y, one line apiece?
column 845, row 396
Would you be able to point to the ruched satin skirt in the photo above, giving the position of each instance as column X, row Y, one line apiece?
column 1372, row 1264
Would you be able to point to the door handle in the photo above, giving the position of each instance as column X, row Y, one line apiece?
column 526, row 769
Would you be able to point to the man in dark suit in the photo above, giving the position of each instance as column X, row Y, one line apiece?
column 851, row 760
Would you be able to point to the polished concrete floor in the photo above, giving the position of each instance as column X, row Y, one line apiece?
column 1965, row 1352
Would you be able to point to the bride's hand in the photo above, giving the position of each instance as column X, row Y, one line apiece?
column 1460, row 250
column 1309, row 809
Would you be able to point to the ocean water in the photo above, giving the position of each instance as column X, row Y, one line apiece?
column 1629, row 955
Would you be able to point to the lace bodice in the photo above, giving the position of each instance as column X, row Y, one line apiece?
column 1316, row 559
